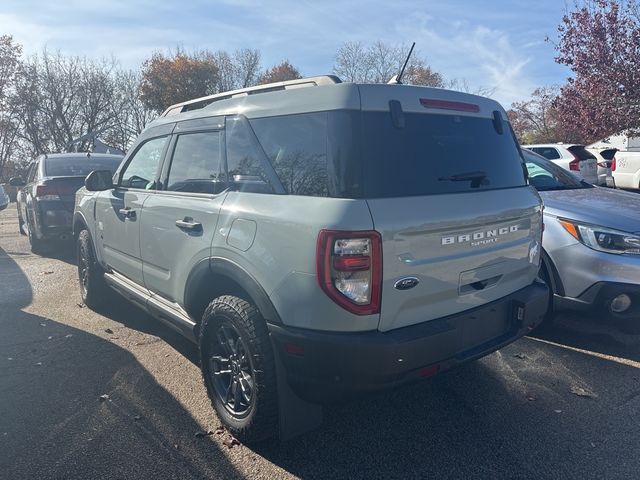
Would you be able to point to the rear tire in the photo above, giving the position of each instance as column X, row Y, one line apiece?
column 93, row 289
column 20, row 224
column 37, row 246
column 238, row 368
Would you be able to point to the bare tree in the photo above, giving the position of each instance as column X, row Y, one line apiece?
column 379, row 62
column 352, row 63
column 247, row 67
column 130, row 114
column 9, row 60
column 462, row 85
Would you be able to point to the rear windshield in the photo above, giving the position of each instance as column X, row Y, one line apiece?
column 581, row 153
column 608, row 154
column 436, row 154
column 78, row 166
column 357, row 154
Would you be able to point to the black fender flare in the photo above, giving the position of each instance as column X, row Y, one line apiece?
column 556, row 282
column 78, row 217
column 222, row 267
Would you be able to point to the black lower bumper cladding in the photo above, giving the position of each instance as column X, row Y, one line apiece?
column 323, row 365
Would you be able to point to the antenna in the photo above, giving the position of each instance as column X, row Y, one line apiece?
column 398, row 78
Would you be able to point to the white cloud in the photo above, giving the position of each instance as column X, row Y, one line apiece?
column 464, row 41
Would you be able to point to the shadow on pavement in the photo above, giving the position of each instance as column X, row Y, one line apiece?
column 510, row 415
column 53, row 423
column 591, row 333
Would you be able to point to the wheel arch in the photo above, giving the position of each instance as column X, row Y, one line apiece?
column 556, row 282
column 79, row 223
column 216, row 276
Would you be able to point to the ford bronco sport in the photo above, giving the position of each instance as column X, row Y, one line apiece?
column 321, row 237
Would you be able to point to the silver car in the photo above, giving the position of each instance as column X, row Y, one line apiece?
column 591, row 243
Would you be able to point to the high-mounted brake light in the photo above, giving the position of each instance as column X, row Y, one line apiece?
column 349, row 269
column 449, row 105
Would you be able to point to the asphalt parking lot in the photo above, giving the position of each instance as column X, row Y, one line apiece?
column 90, row 396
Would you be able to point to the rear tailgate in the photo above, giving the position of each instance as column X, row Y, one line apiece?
column 587, row 163
column 465, row 251
column 65, row 188
column 444, row 181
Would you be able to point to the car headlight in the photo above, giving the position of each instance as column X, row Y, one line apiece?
column 603, row 239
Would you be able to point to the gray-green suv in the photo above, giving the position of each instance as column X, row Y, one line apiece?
column 318, row 238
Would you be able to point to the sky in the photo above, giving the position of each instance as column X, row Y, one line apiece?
column 498, row 44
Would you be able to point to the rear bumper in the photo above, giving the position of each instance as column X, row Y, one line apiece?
column 325, row 365
column 54, row 220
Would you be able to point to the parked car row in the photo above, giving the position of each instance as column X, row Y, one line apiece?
column 309, row 238
column 591, row 255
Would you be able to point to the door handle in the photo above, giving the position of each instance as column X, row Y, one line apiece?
column 127, row 212
column 188, row 224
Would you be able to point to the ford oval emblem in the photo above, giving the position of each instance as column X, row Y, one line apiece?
column 406, row 283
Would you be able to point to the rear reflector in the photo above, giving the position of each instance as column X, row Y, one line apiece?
column 293, row 349
column 428, row 371
column 449, row 105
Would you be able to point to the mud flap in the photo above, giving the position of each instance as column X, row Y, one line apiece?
column 296, row 416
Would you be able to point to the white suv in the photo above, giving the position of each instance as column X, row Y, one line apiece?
column 575, row 158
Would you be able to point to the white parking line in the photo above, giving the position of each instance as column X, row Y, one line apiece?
column 621, row 361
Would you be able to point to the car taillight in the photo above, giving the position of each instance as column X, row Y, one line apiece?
column 46, row 192
column 613, row 164
column 349, row 269
column 575, row 163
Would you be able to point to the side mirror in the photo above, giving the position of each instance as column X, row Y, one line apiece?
column 17, row 182
column 99, row 180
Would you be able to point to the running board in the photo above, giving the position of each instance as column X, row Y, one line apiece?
column 168, row 313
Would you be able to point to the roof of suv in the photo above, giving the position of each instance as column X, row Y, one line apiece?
column 564, row 145
column 81, row 154
column 314, row 95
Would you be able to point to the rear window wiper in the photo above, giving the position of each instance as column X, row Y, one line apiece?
column 476, row 178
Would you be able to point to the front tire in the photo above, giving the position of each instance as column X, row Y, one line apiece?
column 93, row 289
column 238, row 368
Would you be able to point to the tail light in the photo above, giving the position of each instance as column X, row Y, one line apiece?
column 575, row 163
column 46, row 192
column 613, row 164
column 349, row 269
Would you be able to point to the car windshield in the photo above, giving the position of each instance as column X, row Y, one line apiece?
column 545, row 176
column 79, row 166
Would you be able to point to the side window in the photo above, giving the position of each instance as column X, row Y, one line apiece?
column 31, row 172
column 547, row 152
column 297, row 148
column 245, row 172
column 141, row 170
column 195, row 166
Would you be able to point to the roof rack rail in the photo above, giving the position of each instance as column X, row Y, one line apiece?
column 202, row 102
